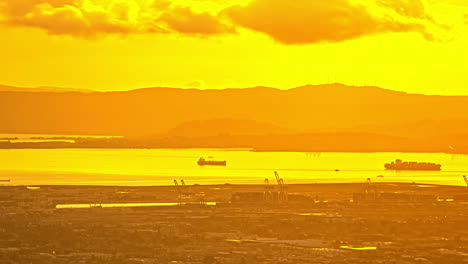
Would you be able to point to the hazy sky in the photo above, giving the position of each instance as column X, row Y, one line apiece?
column 408, row 45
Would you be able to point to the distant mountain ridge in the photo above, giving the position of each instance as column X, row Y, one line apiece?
column 226, row 127
column 307, row 109
column 42, row 89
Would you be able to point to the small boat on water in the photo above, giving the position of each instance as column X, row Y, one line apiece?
column 400, row 165
column 210, row 162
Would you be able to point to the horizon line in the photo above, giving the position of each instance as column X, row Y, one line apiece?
column 57, row 89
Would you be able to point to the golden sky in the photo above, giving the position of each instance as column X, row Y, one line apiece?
column 408, row 45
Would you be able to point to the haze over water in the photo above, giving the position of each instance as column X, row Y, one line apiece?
column 162, row 166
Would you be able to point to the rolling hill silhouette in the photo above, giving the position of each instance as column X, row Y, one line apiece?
column 226, row 127
column 5, row 88
column 309, row 109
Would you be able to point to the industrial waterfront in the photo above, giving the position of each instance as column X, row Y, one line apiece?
column 275, row 222
column 160, row 206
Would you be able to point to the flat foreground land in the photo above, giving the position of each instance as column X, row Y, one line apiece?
column 318, row 223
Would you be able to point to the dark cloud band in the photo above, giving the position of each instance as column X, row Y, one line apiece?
column 287, row 21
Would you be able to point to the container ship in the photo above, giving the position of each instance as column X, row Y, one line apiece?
column 205, row 162
column 400, row 165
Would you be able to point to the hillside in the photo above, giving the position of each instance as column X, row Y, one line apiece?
column 5, row 88
column 309, row 109
column 226, row 127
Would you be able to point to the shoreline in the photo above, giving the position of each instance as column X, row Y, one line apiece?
column 300, row 195
column 325, row 223
column 239, row 149
column 223, row 192
column 236, row 185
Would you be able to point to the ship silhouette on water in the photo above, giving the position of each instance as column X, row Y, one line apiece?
column 211, row 162
column 401, row 165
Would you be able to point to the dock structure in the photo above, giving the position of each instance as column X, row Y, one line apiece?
column 186, row 195
column 369, row 193
column 282, row 189
column 267, row 192
column 370, row 189
column 177, row 187
column 181, row 192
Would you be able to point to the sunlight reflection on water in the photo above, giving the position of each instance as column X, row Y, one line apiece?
column 162, row 166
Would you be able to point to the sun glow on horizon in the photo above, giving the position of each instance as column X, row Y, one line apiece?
column 411, row 46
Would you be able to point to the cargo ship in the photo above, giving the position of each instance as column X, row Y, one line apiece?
column 205, row 162
column 400, row 165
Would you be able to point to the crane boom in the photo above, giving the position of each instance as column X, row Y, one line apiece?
column 282, row 193
column 277, row 177
column 179, row 191
column 466, row 180
column 267, row 190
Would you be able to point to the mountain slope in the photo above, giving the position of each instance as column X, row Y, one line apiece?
column 5, row 88
column 225, row 127
column 324, row 108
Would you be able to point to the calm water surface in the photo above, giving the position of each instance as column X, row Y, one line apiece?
column 162, row 166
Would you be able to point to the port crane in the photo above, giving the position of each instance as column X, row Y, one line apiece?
column 179, row 192
column 370, row 189
column 369, row 182
column 183, row 190
column 282, row 193
column 180, row 189
column 267, row 195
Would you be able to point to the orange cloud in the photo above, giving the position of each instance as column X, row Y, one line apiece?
column 312, row 21
column 406, row 8
column 78, row 17
column 87, row 19
column 184, row 20
column 287, row 21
